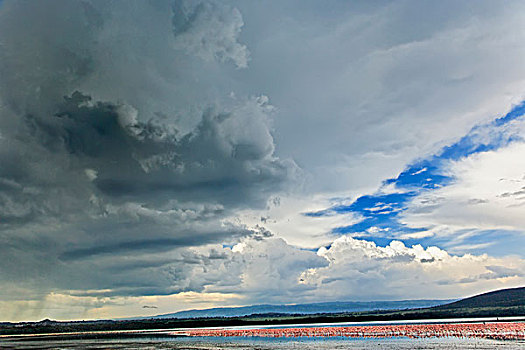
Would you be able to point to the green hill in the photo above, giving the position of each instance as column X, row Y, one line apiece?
column 511, row 297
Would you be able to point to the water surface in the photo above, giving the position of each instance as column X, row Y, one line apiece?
column 153, row 343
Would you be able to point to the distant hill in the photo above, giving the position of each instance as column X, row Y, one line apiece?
column 512, row 297
column 305, row 309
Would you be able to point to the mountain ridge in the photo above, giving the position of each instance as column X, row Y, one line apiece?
column 306, row 308
column 511, row 298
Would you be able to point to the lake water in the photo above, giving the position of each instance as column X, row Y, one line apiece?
column 164, row 339
column 264, row 344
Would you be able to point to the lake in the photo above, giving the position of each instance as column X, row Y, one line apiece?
column 168, row 339
column 153, row 343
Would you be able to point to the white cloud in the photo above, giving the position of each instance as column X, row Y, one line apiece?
column 363, row 271
column 488, row 192
column 271, row 269
column 285, row 217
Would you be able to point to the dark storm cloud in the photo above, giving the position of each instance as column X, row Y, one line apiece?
column 152, row 245
column 209, row 31
column 115, row 158
column 148, row 161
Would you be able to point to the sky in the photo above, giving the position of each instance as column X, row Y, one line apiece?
column 157, row 156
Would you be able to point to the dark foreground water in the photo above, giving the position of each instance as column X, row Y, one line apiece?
column 264, row 344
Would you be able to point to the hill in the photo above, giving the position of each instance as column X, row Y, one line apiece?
column 511, row 297
column 304, row 309
column 505, row 301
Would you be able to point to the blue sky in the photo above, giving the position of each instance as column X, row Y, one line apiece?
column 381, row 212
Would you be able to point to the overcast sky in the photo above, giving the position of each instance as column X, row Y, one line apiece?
column 160, row 155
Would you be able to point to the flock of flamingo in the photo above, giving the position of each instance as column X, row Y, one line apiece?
column 497, row 330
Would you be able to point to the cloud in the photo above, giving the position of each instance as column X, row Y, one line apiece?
column 290, row 217
column 210, row 31
column 126, row 186
column 365, row 271
column 114, row 159
column 486, row 194
column 406, row 207
column 378, row 76
column 260, row 268
column 271, row 269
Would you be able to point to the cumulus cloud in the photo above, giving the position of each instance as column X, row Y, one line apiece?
column 367, row 271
